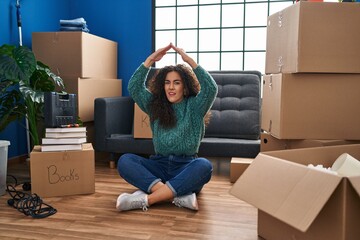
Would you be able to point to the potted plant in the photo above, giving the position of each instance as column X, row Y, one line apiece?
column 23, row 81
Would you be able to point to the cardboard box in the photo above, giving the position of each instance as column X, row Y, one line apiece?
column 62, row 173
column 238, row 166
column 271, row 143
column 320, row 37
column 87, row 89
column 311, row 106
column 142, row 128
column 299, row 202
column 77, row 54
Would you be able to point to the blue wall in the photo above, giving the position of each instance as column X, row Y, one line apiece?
column 126, row 22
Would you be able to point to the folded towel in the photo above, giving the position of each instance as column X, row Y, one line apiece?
column 77, row 21
column 77, row 24
column 73, row 24
column 75, row 29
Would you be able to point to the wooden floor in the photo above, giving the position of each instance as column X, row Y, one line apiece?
column 221, row 215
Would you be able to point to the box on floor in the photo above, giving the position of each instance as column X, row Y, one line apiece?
column 142, row 127
column 311, row 106
column 62, row 173
column 299, row 202
column 238, row 166
column 271, row 143
column 76, row 54
column 88, row 89
column 314, row 37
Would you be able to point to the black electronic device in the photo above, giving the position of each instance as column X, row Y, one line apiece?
column 60, row 109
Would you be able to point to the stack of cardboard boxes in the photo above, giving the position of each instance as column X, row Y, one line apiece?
column 86, row 63
column 88, row 66
column 312, row 74
column 310, row 92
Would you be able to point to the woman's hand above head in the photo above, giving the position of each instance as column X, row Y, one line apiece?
column 156, row 56
column 185, row 57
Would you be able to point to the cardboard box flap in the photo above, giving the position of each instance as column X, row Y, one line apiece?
column 355, row 182
column 291, row 192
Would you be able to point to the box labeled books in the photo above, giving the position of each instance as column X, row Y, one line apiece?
column 62, row 173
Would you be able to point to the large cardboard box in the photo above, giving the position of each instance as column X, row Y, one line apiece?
column 238, row 166
column 314, row 37
column 62, row 173
column 299, row 202
column 271, row 143
column 311, row 106
column 142, row 128
column 88, row 89
column 77, row 54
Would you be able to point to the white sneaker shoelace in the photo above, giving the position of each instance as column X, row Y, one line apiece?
column 139, row 204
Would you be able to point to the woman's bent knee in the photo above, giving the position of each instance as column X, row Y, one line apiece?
column 205, row 164
column 124, row 161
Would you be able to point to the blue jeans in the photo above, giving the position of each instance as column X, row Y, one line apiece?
column 182, row 174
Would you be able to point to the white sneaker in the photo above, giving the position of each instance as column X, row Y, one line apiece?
column 187, row 201
column 138, row 192
column 127, row 194
column 128, row 201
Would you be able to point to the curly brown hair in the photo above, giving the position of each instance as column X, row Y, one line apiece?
column 160, row 107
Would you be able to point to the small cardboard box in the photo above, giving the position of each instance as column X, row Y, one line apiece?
column 76, row 54
column 142, row 128
column 299, row 202
column 62, row 173
column 88, row 89
column 271, row 143
column 238, row 166
column 314, row 37
column 311, row 106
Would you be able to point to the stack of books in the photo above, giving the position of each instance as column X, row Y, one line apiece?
column 63, row 139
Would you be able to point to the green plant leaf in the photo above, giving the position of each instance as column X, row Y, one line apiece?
column 19, row 65
column 12, row 107
column 41, row 67
column 25, row 59
column 23, row 81
column 28, row 92
column 5, row 84
column 6, row 49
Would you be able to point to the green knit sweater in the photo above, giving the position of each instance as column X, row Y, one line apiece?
column 185, row 137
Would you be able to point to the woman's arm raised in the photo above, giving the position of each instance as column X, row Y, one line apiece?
column 185, row 57
column 156, row 56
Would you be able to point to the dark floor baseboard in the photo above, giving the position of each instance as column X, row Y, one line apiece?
column 17, row 160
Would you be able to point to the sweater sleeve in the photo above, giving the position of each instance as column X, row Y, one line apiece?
column 208, row 91
column 137, row 88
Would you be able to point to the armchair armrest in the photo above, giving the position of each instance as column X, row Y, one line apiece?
column 112, row 115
